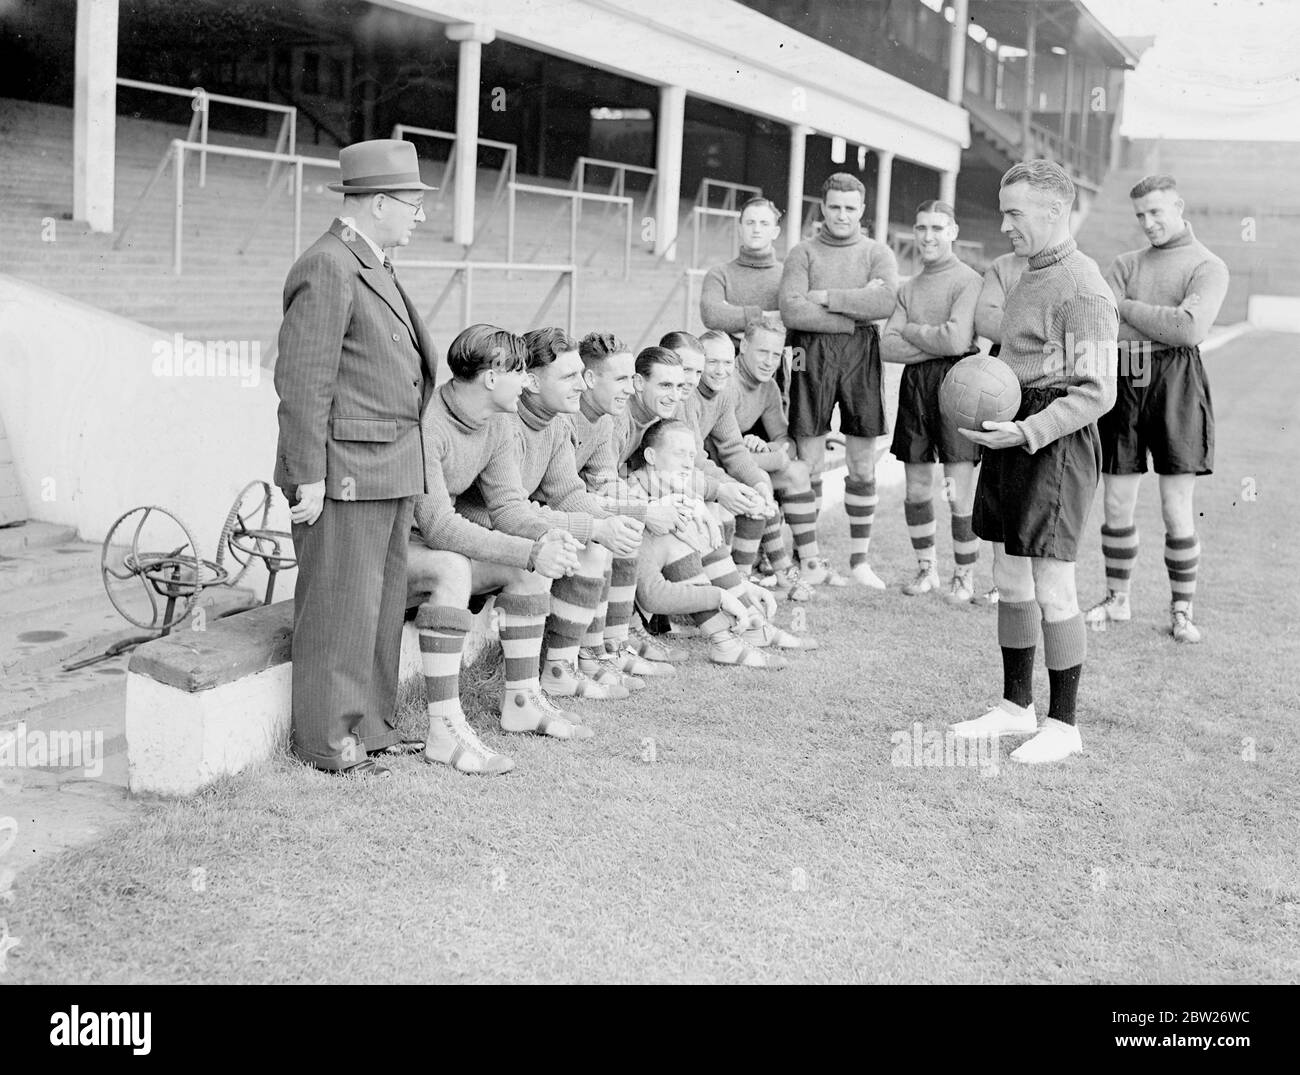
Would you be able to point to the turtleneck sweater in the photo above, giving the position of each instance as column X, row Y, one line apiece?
column 1059, row 331
column 999, row 279
column 460, row 450
column 843, row 268
column 597, row 459
column 935, row 315
column 547, row 472
column 757, row 400
column 713, row 416
column 1169, row 294
column 737, row 293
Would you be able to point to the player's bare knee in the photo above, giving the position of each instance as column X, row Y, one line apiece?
column 919, row 483
column 1013, row 576
column 1054, row 588
column 1119, row 498
column 797, row 475
column 444, row 576
column 1177, row 505
column 526, row 583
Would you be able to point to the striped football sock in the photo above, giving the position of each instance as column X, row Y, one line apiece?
column 595, row 636
column 1182, row 557
column 622, row 597
column 744, row 545
column 817, row 498
column 1119, row 546
column 965, row 545
column 522, row 621
column 690, row 569
column 921, row 528
column 573, row 604
column 774, row 544
column 800, row 511
column 860, row 505
column 1018, row 637
column 721, row 571
column 442, row 640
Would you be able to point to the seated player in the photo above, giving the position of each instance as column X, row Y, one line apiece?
column 670, row 572
column 608, row 379
column 744, row 491
column 1039, row 473
column 549, row 475
column 931, row 329
column 469, row 439
column 1169, row 295
column 999, row 278
column 760, row 416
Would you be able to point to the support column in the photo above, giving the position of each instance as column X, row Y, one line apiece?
column 948, row 187
column 957, row 51
column 883, row 178
column 1027, row 111
column 94, row 122
column 794, row 192
column 668, row 160
column 472, row 37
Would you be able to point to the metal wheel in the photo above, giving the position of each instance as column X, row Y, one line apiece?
column 250, row 512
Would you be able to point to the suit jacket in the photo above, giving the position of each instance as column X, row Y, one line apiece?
column 355, row 368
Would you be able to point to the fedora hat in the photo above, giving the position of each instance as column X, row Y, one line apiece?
column 378, row 165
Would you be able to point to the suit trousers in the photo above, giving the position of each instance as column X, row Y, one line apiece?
column 349, row 604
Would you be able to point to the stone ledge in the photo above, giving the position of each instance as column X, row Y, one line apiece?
column 227, row 650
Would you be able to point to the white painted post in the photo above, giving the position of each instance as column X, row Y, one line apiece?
column 668, row 154
column 472, row 37
column 794, row 196
column 94, row 125
column 882, row 194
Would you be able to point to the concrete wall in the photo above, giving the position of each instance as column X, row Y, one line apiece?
column 97, row 427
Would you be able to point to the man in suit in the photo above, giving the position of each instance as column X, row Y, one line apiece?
column 355, row 368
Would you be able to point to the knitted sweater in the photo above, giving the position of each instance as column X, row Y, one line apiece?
column 1058, row 331
column 760, row 401
column 458, row 451
column 547, row 472
column 630, row 427
column 999, row 279
column 935, row 315
column 655, row 593
column 1169, row 294
column 843, row 268
column 597, row 460
column 738, row 292
column 713, row 416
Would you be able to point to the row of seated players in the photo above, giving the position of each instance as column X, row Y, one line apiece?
column 570, row 480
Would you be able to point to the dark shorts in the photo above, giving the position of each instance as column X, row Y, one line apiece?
column 1037, row 504
column 841, row 368
column 921, row 433
column 1162, row 408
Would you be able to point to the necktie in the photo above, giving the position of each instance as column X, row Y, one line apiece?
column 388, row 264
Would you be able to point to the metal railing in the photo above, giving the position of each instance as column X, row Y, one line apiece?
column 690, row 304
column 574, row 197
column 730, row 191
column 175, row 155
column 618, row 185
column 903, row 243
column 463, row 272
column 506, row 174
column 286, row 141
column 698, row 213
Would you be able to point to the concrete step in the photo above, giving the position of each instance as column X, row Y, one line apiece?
column 56, row 563
column 34, row 534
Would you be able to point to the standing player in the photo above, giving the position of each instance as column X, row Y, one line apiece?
column 738, row 293
column 1039, row 472
column 1169, row 295
column 833, row 286
column 999, row 279
column 930, row 331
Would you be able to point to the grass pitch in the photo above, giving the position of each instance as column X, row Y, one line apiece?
column 730, row 825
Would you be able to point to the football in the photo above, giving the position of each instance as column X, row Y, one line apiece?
column 979, row 389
